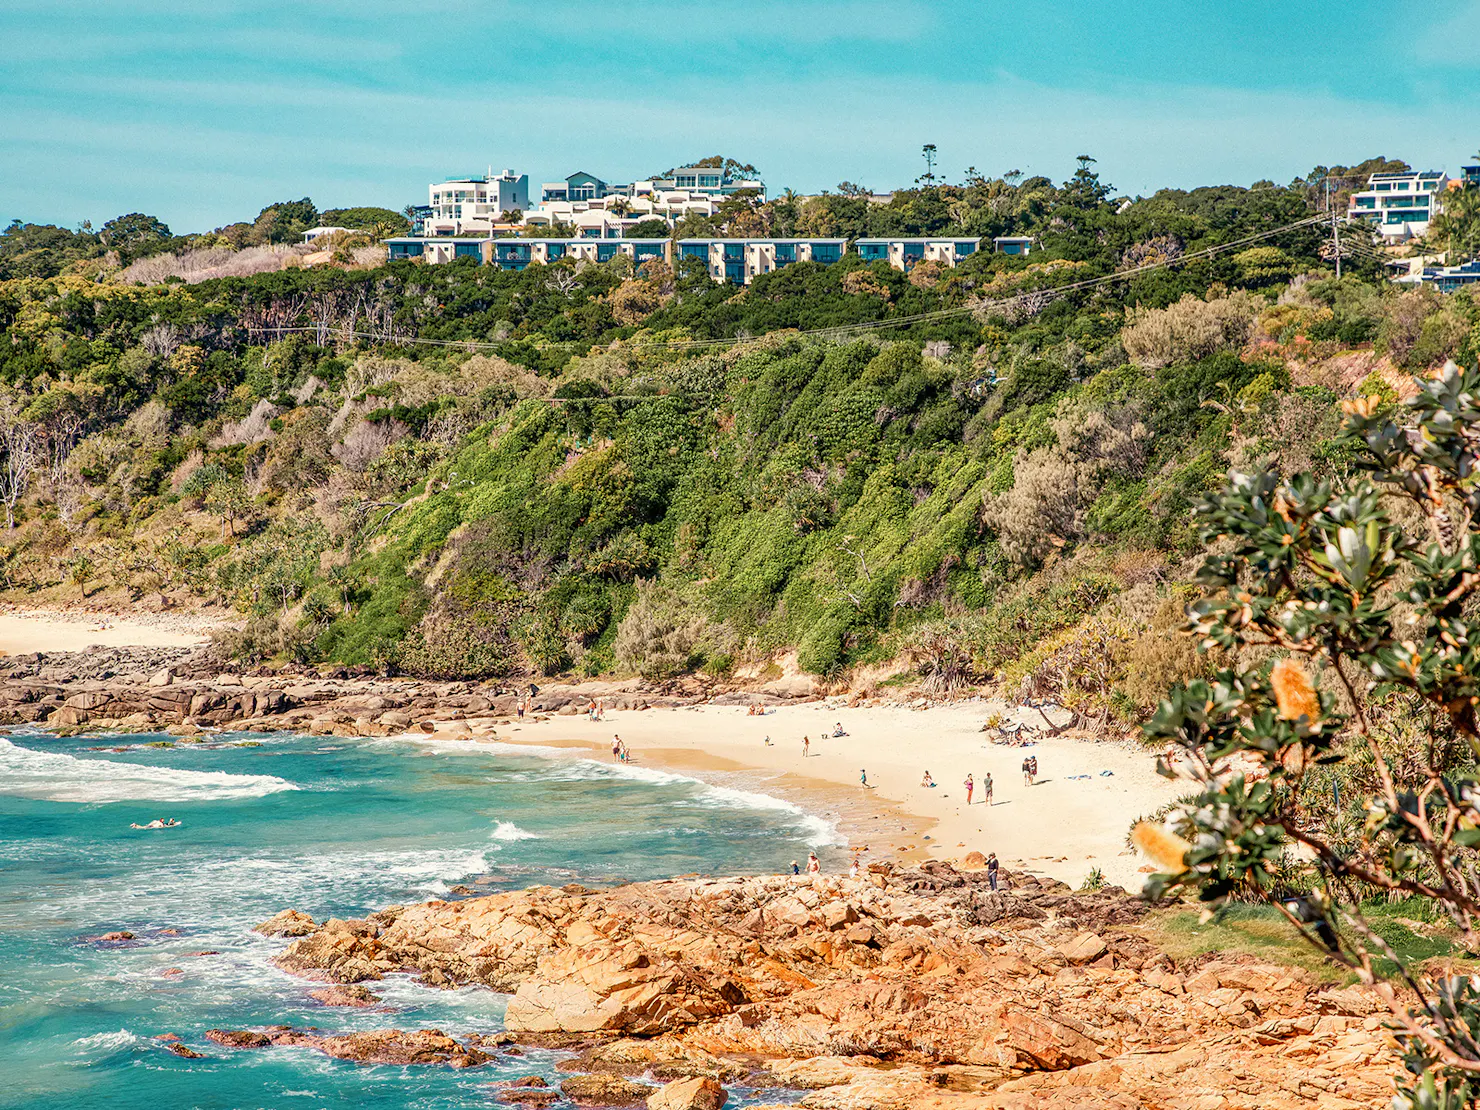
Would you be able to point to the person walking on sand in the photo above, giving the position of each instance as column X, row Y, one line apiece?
column 616, row 747
column 806, row 746
column 814, row 866
column 1033, row 771
column 1027, row 774
column 970, row 785
column 992, row 870
column 987, row 789
column 795, row 868
column 863, row 778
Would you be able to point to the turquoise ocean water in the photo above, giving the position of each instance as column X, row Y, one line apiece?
column 332, row 826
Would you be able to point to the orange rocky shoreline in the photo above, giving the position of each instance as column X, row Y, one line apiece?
column 908, row 987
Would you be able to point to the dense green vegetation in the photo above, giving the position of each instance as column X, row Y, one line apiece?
column 976, row 472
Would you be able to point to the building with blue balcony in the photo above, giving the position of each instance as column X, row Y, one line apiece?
column 1470, row 175
column 433, row 249
column 906, row 254
column 508, row 253
column 1399, row 206
column 1013, row 244
column 1451, row 278
column 516, row 254
column 741, row 261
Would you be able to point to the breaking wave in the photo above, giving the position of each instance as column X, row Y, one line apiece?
column 57, row 777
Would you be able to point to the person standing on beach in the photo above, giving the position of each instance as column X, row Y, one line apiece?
column 992, row 870
column 1027, row 774
column 987, row 789
column 616, row 747
column 970, row 785
column 795, row 869
column 806, row 746
column 814, row 866
column 1033, row 771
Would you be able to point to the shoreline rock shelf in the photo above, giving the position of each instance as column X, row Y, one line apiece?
column 917, row 987
column 185, row 689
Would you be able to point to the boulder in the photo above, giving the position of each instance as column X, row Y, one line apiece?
column 1082, row 949
column 287, row 923
column 350, row 995
column 837, row 915
column 238, row 1038
column 604, row 1090
column 1047, row 1043
column 698, row 1093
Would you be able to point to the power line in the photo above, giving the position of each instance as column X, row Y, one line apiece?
column 836, row 330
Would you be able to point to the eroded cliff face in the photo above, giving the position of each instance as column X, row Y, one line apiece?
column 905, row 988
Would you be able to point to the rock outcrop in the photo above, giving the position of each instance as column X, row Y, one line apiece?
column 919, row 987
column 184, row 689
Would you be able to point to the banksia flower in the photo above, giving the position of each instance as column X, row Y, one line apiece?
column 1293, row 692
column 1164, row 847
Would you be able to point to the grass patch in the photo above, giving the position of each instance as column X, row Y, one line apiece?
column 1262, row 931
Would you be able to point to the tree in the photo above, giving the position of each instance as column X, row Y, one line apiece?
column 1373, row 626
column 229, row 500
column 928, row 177
column 18, row 441
column 131, row 230
column 654, row 228
column 381, row 222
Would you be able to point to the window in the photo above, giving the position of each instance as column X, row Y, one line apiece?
column 709, row 181
column 826, row 253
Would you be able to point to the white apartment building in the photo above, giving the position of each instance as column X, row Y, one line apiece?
column 904, row 254
column 613, row 214
column 475, row 205
column 1399, row 205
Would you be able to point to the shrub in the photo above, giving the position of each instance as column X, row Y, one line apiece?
column 1191, row 329
column 660, row 635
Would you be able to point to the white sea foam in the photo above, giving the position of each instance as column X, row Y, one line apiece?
column 107, row 1042
column 58, row 777
column 819, row 832
column 507, row 830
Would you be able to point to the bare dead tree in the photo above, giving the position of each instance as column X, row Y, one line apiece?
column 18, row 440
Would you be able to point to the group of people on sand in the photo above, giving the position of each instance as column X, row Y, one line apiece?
column 814, row 865
column 758, row 711
column 987, row 786
column 1030, row 770
column 594, row 711
column 620, row 751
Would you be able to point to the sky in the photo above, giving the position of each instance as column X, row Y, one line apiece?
column 202, row 113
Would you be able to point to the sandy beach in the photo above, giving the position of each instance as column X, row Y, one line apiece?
column 1074, row 819
column 26, row 630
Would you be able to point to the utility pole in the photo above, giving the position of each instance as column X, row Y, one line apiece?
column 1336, row 241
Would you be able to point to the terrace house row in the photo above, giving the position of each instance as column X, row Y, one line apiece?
column 736, row 261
